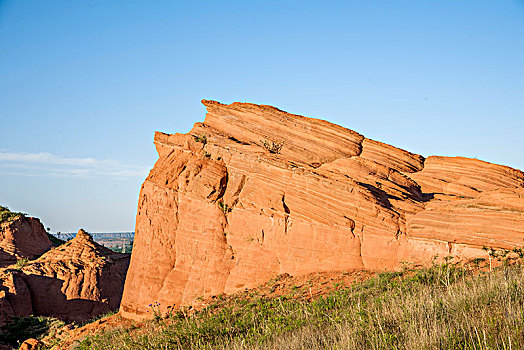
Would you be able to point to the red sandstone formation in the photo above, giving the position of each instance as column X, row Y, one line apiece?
column 24, row 237
column 254, row 192
column 74, row 282
column 31, row 344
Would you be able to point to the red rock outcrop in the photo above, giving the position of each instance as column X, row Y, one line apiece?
column 254, row 192
column 22, row 238
column 73, row 282
column 31, row 344
column 15, row 296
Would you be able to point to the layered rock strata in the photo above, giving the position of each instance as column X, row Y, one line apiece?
column 22, row 238
column 254, row 192
column 73, row 282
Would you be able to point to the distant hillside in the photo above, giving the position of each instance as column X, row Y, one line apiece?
column 97, row 235
column 121, row 242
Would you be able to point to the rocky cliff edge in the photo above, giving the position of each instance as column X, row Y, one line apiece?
column 254, row 192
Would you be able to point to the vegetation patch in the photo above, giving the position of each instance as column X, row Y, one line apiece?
column 442, row 307
column 272, row 146
column 125, row 248
column 20, row 263
column 22, row 328
column 201, row 139
column 224, row 208
column 7, row 215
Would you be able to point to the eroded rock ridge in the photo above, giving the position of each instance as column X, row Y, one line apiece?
column 254, row 192
column 74, row 282
column 22, row 238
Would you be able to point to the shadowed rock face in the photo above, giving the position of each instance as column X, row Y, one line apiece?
column 74, row 282
column 24, row 237
column 220, row 212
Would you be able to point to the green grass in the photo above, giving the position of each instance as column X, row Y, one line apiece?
column 21, row 328
column 442, row 307
column 20, row 263
column 201, row 139
column 104, row 315
column 224, row 208
column 7, row 215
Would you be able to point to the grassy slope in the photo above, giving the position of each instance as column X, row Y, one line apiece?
column 443, row 307
column 22, row 328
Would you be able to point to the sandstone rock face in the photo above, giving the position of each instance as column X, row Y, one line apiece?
column 24, row 237
column 74, row 282
column 254, row 192
column 15, row 297
column 31, row 344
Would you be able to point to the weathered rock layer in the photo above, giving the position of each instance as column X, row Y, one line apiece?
column 22, row 238
column 74, row 282
column 254, row 192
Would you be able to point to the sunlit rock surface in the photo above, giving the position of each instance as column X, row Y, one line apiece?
column 74, row 282
column 254, row 192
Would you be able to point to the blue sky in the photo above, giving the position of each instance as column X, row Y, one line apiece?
column 84, row 85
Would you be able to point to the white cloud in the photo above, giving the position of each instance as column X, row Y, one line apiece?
column 52, row 165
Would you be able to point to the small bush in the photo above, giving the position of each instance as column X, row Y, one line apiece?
column 201, row 139
column 224, row 208
column 155, row 311
column 20, row 263
column 272, row 146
